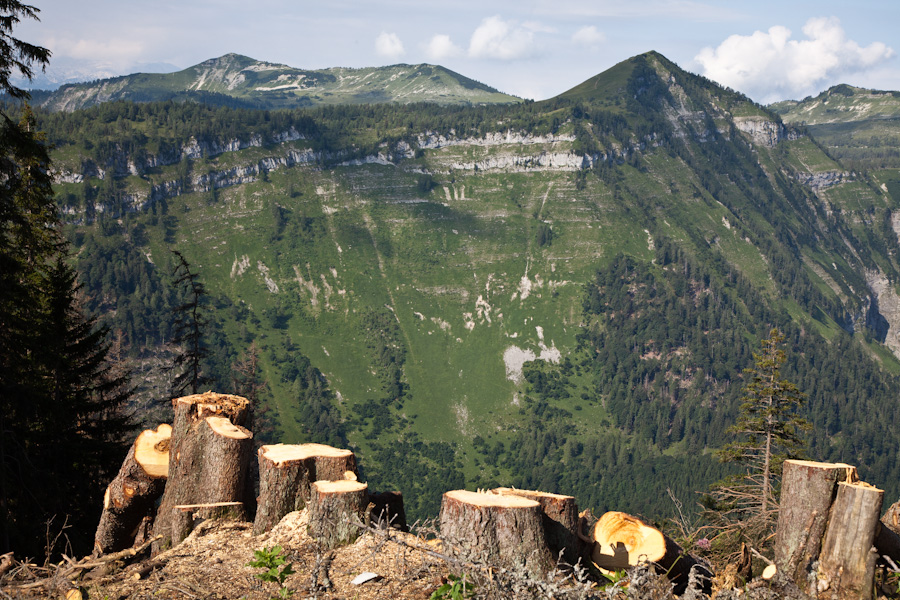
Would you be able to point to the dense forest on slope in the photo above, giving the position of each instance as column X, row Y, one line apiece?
column 557, row 294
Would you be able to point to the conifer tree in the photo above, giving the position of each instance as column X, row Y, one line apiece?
column 189, row 326
column 768, row 431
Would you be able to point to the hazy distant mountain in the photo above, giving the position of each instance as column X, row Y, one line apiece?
column 62, row 71
column 240, row 81
column 861, row 127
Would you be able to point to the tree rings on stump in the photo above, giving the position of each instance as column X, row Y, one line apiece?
column 497, row 530
column 133, row 493
column 286, row 472
column 560, row 519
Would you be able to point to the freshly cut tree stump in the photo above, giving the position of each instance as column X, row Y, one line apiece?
column 387, row 508
column 807, row 492
column 208, row 465
column 286, row 472
column 560, row 520
column 622, row 541
column 335, row 510
column 847, row 561
column 133, row 493
column 887, row 540
column 186, row 517
column 190, row 410
column 503, row 531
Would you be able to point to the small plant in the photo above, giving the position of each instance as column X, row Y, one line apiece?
column 271, row 559
column 457, row 588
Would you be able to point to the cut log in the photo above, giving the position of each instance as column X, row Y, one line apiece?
column 209, row 464
column 560, row 520
column 622, row 541
column 186, row 517
column 191, row 410
column 807, row 492
column 495, row 530
column 387, row 509
column 286, row 472
column 134, row 492
column 847, row 560
column 336, row 510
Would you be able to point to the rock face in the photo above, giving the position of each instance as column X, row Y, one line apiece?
column 763, row 131
column 883, row 315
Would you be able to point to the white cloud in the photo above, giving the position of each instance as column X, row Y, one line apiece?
column 771, row 66
column 503, row 40
column 389, row 45
column 441, row 47
column 588, row 36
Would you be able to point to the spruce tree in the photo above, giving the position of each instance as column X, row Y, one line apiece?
column 768, row 431
column 189, row 329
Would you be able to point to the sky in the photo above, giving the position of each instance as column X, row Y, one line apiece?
column 770, row 50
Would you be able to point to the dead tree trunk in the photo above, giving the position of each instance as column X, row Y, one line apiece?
column 336, row 511
column 807, row 493
column 208, row 459
column 560, row 520
column 286, row 472
column 504, row 531
column 133, row 493
column 847, row 561
column 621, row 541
column 186, row 517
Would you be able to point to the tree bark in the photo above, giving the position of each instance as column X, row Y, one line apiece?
column 186, row 517
column 847, row 561
column 208, row 464
column 887, row 540
column 133, row 493
column 807, row 492
column 622, row 541
column 286, row 472
column 335, row 509
column 503, row 531
column 387, row 508
column 559, row 518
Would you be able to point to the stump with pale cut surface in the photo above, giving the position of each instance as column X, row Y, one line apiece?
column 807, row 492
column 133, row 493
column 208, row 458
column 560, row 520
column 336, row 511
column 286, row 472
column 887, row 540
column 497, row 530
column 847, row 560
column 622, row 541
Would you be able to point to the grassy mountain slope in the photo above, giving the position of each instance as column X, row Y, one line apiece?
column 558, row 294
column 235, row 80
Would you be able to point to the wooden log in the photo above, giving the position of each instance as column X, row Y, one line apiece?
column 186, row 517
column 623, row 541
column 286, row 472
column 387, row 508
column 501, row 531
column 336, row 509
column 559, row 518
column 847, row 560
column 807, row 492
column 191, row 410
column 208, row 465
column 135, row 490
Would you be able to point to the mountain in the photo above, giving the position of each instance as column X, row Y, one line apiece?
column 558, row 295
column 860, row 127
column 235, row 80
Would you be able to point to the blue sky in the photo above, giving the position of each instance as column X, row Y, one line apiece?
column 770, row 50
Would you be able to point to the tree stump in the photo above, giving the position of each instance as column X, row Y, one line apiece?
column 286, row 472
column 807, row 493
column 387, row 508
column 133, row 493
column 622, row 541
column 887, row 540
column 336, row 508
column 847, row 560
column 208, row 464
column 190, row 410
column 186, row 517
column 503, row 531
column 559, row 518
